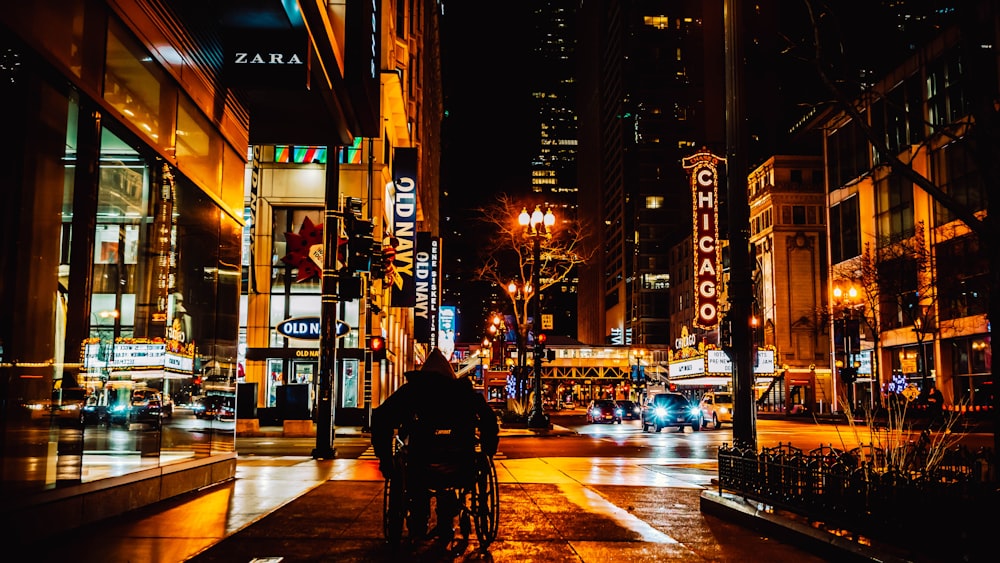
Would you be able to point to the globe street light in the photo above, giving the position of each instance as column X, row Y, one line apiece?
column 847, row 302
column 519, row 293
column 536, row 227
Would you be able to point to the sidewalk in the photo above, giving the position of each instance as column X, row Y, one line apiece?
column 294, row 508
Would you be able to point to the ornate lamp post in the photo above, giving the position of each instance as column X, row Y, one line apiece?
column 536, row 227
column 923, row 326
column 519, row 293
column 846, row 301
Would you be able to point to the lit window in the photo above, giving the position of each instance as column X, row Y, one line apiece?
column 654, row 202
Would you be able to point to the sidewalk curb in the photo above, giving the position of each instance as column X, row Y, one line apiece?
column 800, row 531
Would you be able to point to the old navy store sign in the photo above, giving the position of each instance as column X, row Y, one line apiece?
column 303, row 328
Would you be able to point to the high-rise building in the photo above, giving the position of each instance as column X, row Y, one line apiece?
column 552, row 67
column 649, row 94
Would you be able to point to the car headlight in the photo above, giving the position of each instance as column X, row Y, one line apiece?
column 595, row 412
column 695, row 410
column 660, row 412
column 618, row 412
column 723, row 410
column 636, row 410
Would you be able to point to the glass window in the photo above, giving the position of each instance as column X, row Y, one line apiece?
column 845, row 239
column 962, row 278
column 199, row 149
column 894, row 207
column 297, row 250
column 136, row 86
column 954, row 171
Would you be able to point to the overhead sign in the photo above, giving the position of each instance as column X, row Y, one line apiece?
column 303, row 328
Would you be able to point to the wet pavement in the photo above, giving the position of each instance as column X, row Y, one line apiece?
column 294, row 508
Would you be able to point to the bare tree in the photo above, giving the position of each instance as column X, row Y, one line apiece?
column 510, row 259
column 978, row 127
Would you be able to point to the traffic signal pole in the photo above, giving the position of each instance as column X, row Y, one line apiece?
column 328, row 311
column 740, row 283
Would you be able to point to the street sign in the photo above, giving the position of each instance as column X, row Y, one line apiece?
column 546, row 322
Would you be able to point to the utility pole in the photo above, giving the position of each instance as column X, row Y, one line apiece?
column 740, row 282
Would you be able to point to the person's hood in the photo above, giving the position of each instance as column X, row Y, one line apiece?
column 438, row 363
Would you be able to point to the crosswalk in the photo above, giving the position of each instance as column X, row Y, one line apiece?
column 370, row 454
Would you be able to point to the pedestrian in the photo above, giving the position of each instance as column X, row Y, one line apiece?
column 437, row 416
column 935, row 406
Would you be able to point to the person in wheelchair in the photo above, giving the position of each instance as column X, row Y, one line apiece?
column 440, row 419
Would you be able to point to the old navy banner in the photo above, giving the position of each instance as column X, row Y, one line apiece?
column 426, row 271
column 404, row 225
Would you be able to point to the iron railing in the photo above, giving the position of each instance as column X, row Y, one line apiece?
column 945, row 501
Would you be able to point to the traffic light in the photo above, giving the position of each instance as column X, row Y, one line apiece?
column 377, row 346
column 377, row 268
column 848, row 374
column 349, row 287
column 360, row 245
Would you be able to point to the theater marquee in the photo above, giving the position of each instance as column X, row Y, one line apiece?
column 705, row 185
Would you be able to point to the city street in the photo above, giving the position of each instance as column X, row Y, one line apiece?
column 625, row 440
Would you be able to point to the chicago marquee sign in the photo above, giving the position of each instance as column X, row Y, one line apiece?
column 705, row 186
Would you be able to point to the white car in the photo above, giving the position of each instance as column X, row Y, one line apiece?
column 716, row 407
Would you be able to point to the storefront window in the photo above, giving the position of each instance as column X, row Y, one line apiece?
column 971, row 371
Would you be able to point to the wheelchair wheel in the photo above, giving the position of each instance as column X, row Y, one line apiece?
column 486, row 502
column 393, row 511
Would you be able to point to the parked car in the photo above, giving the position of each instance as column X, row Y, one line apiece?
column 716, row 407
column 144, row 407
column 64, row 408
column 670, row 409
column 213, row 407
column 630, row 410
column 604, row 410
column 95, row 410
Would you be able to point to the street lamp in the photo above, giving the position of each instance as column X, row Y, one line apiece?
column 536, row 227
column 846, row 301
column 922, row 326
column 519, row 293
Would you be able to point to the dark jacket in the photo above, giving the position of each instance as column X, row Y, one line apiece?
column 437, row 414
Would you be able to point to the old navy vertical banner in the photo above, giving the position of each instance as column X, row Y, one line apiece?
column 423, row 281
column 428, row 290
column 404, row 225
column 435, row 297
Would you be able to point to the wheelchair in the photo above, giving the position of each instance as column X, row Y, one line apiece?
column 475, row 487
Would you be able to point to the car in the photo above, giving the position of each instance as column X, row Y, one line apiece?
column 716, row 407
column 212, row 407
column 64, row 408
column 604, row 410
column 670, row 409
column 630, row 410
column 144, row 407
column 95, row 411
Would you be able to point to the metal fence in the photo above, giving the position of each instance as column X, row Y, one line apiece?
column 944, row 501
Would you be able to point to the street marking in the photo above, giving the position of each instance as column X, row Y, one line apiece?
column 592, row 502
